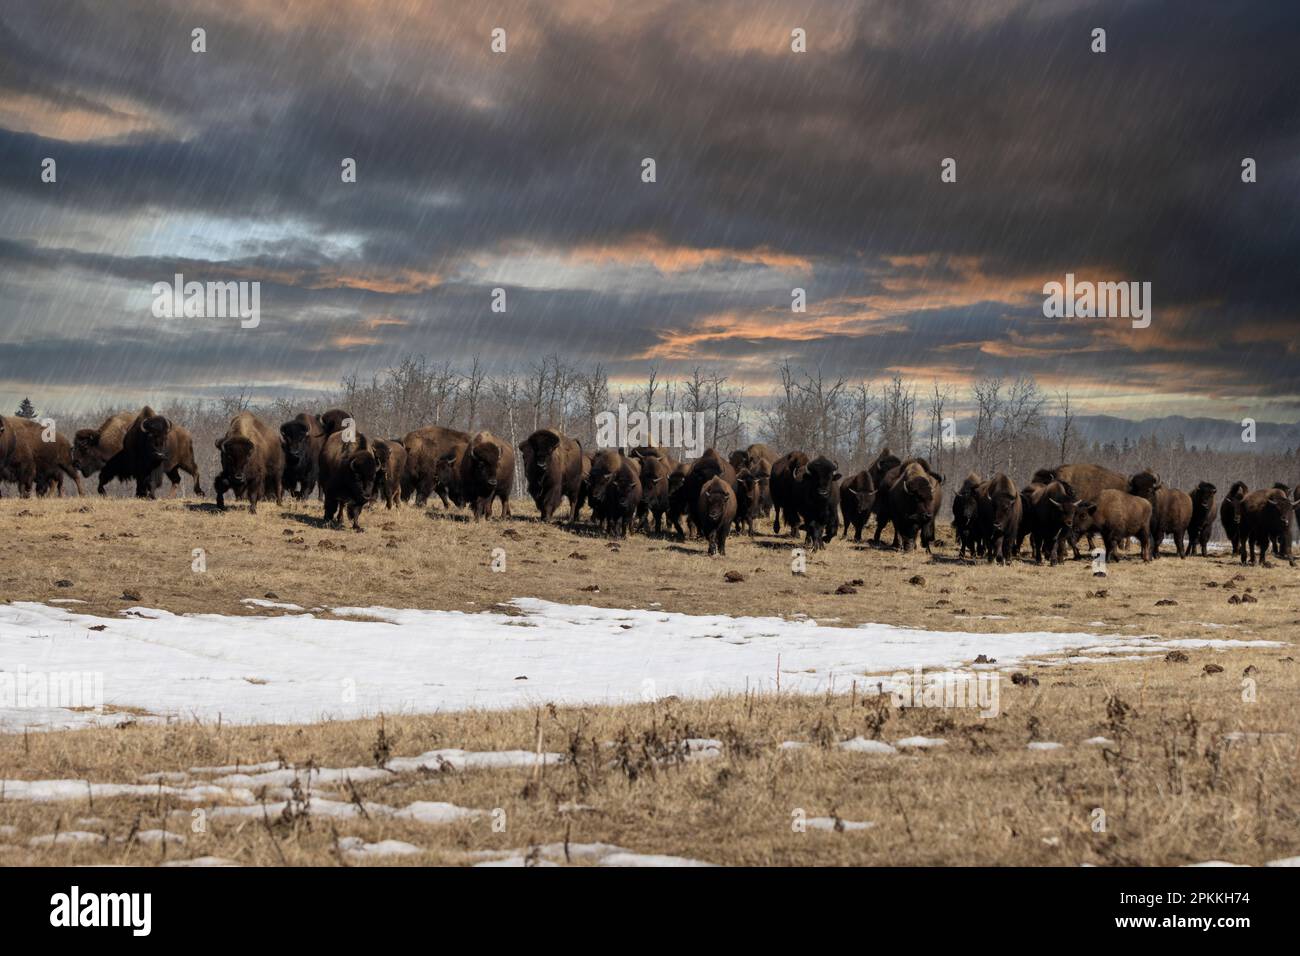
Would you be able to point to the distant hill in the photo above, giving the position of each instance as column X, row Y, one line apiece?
column 1213, row 433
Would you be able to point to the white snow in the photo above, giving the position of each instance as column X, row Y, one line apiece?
column 67, row 836
column 828, row 823
column 1099, row 742
column 202, row 861
column 1042, row 745
column 48, row 791
column 600, row 854
column 357, row 849
column 920, row 742
column 298, row 667
column 864, row 746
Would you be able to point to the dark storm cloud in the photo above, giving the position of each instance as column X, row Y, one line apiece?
column 1125, row 164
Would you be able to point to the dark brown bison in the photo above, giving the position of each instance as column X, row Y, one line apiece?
column 1171, row 515
column 487, row 472
column 1117, row 515
column 885, row 501
column 678, row 505
column 252, row 462
column 965, row 517
column 715, row 510
column 1264, row 521
column 915, row 496
column 1000, row 515
column 336, row 420
column 1050, row 517
column 738, row 459
column 654, row 492
column 857, row 498
column 708, row 466
column 1202, row 523
column 553, row 470
column 817, row 500
column 152, row 447
column 749, row 500
column 93, row 448
column 350, row 477
column 1228, row 513
column 301, row 440
column 424, row 447
column 785, row 504
column 29, row 460
column 651, row 451
column 615, row 490
column 390, row 456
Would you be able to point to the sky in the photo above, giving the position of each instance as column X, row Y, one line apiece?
column 774, row 170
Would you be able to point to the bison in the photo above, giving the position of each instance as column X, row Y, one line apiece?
column 390, row 456
column 424, row 447
column 301, row 440
column 885, row 501
column 1202, row 521
column 487, row 471
column 783, row 481
column 350, row 477
column 857, row 498
column 1088, row 481
column 93, row 448
column 615, row 490
column 915, row 495
column 708, row 466
column 153, row 446
column 1228, row 513
column 1000, row 515
column 1264, row 521
column 1171, row 515
column 965, row 517
column 715, row 510
column 1117, row 515
column 1050, row 517
column 252, row 462
column 884, row 464
column 27, row 459
column 654, row 492
column 817, row 500
column 749, row 499
column 553, row 470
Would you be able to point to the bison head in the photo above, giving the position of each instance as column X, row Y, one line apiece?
column 295, row 438
column 863, row 492
column 484, row 459
column 715, row 495
column 623, row 489
column 447, row 468
column 1238, row 490
column 87, row 456
column 335, row 420
column 1203, row 496
column 155, row 430
column 1145, row 484
column 366, row 473
column 236, row 458
column 819, row 475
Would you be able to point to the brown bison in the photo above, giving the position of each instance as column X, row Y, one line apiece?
column 1000, row 514
column 1264, row 521
column 301, row 440
column 885, row 463
column 703, row 469
column 1117, row 515
column 785, row 503
column 965, row 517
column 654, row 493
column 615, row 489
column 715, row 510
column 252, row 462
column 885, row 501
column 1228, row 513
column 152, row 447
column 1088, row 481
column 1171, row 515
column 1202, row 522
column 678, row 505
column 28, row 460
column 424, row 447
column 93, row 448
column 335, row 420
column 487, row 472
column 350, row 477
column 390, row 456
column 915, row 496
column 553, row 470
column 857, row 498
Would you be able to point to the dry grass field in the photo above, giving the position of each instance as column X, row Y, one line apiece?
column 1191, row 770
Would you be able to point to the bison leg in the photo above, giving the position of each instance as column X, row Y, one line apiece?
column 252, row 501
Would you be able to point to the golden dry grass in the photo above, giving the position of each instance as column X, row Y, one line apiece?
column 1173, row 787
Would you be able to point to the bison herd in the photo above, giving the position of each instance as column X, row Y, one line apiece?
column 626, row 488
